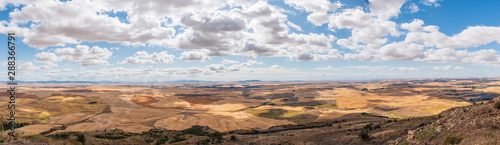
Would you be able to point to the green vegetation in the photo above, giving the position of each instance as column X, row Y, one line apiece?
column 403, row 142
column 277, row 113
column 162, row 140
column 371, row 115
column 59, row 136
column 216, row 134
column 314, row 105
column 451, row 139
column 198, row 131
column 177, row 138
column 110, row 136
column 427, row 133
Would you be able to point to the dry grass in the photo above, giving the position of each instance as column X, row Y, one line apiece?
column 198, row 101
column 40, row 110
column 145, row 101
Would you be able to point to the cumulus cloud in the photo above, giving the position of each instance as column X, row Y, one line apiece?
column 58, row 23
column 364, row 28
column 15, row 3
column 194, row 56
column 484, row 57
column 363, row 55
column 431, row 3
column 239, row 67
column 217, row 68
column 386, row 9
column 30, row 66
column 82, row 54
column 276, row 67
column 142, row 57
column 317, row 8
column 227, row 61
column 430, row 36
column 413, row 8
column 401, row 51
column 207, row 28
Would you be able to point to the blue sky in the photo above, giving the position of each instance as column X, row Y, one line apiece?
column 229, row 40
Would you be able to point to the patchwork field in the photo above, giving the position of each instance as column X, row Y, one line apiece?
column 54, row 108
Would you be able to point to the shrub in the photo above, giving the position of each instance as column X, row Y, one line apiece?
column 177, row 139
column 81, row 138
column 364, row 135
column 233, row 138
column 427, row 133
column 404, row 142
column 368, row 126
column 450, row 139
column 59, row 136
column 497, row 105
column 216, row 134
column 162, row 140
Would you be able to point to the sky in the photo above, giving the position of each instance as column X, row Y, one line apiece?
column 233, row 40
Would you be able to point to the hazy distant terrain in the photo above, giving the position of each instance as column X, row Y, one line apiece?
column 244, row 107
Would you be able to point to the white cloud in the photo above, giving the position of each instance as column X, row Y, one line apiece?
column 239, row 67
column 295, row 26
column 194, row 56
column 449, row 67
column 276, row 67
column 327, row 68
column 431, row 3
column 142, row 57
column 482, row 57
column 365, row 28
column 371, row 68
column 386, row 9
column 363, row 55
column 15, row 3
column 30, row 67
column 217, row 68
column 400, row 51
column 318, row 9
column 59, row 23
column 413, row 8
column 82, row 54
column 227, row 61
column 405, row 68
column 430, row 36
